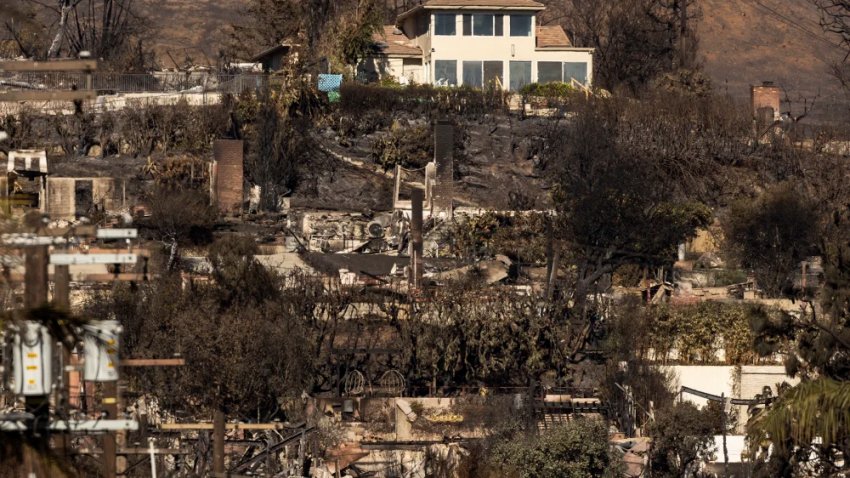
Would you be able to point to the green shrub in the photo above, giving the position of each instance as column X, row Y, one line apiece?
column 521, row 237
column 554, row 89
column 727, row 277
column 578, row 449
column 389, row 81
column 357, row 99
column 697, row 331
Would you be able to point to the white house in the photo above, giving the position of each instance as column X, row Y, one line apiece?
column 475, row 42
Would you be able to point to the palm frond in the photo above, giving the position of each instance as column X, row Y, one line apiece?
column 813, row 410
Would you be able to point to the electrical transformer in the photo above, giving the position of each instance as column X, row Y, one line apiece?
column 32, row 361
column 100, row 350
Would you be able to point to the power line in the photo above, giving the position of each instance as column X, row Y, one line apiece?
column 794, row 24
column 790, row 13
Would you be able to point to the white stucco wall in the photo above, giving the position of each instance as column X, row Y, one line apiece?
column 715, row 380
column 755, row 377
column 459, row 47
column 505, row 48
column 744, row 382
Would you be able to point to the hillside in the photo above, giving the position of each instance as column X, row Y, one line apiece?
column 743, row 42
column 750, row 41
column 197, row 28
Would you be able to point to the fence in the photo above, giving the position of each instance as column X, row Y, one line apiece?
column 135, row 83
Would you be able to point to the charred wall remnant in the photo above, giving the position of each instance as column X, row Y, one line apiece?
column 226, row 177
column 444, row 157
column 61, row 198
column 416, row 249
column 83, row 197
column 70, row 198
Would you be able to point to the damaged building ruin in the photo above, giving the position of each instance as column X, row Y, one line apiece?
column 29, row 186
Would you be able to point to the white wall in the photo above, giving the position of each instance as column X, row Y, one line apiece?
column 459, row 47
column 503, row 48
column 744, row 382
column 715, row 380
column 755, row 377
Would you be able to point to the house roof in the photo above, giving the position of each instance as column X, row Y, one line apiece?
column 474, row 5
column 393, row 42
column 485, row 4
column 552, row 36
column 282, row 48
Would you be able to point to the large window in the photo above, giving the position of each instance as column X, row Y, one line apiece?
column 521, row 25
column 520, row 74
column 483, row 25
column 494, row 73
column 445, row 24
column 478, row 74
column 472, row 74
column 550, row 71
column 577, row 71
column 445, row 72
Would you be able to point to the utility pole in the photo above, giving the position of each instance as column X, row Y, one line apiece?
column 62, row 301
column 726, row 409
column 35, row 378
column 35, row 296
column 110, row 446
column 218, row 442
column 37, row 257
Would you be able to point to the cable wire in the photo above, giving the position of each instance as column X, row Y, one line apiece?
column 794, row 24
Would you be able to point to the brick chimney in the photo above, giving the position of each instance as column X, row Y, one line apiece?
column 766, row 102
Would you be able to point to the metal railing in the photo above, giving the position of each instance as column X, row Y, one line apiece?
column 135, row 83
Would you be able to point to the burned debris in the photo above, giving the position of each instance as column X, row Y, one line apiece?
column 340, row 258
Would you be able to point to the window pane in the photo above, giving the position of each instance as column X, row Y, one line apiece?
column 494, row 73
column 472, row 74
column 482, row 25
column 500, row 25
column 520, row 25
column 467, row 25
column 549, row 71
column 577, row 71
column 520, row 74
column 444, row 24
column 445, row 72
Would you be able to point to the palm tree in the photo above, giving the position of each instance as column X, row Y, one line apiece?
column 813, row 417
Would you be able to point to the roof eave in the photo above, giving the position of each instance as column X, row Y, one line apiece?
column 417, row 8
column 564, row 48
column 408, row 13
column 483, row 7
column 399, row 55
column 269, row 51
